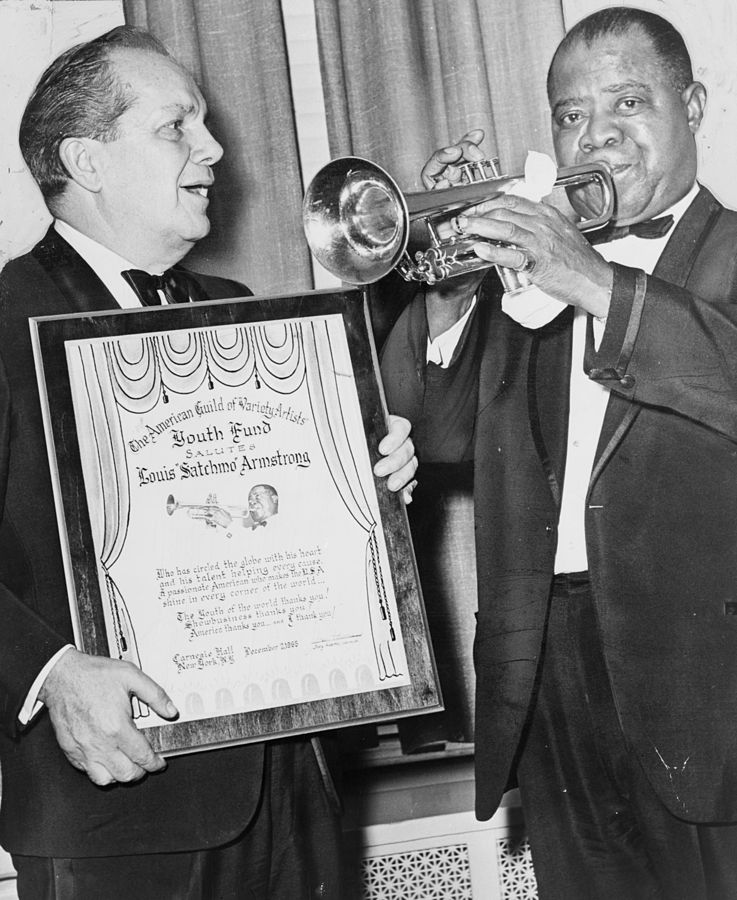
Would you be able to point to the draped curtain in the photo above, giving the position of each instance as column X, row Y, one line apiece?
column 404, row 77
column 236, row 50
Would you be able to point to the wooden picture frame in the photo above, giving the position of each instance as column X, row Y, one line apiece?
column 220, row 522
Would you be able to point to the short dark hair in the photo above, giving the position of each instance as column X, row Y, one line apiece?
column 268, row 487
column 79, row 95
column 665, row 38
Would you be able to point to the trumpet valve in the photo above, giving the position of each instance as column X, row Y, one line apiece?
column 480, row 170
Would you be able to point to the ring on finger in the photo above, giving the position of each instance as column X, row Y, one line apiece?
column 529, row 264
column 458, row 225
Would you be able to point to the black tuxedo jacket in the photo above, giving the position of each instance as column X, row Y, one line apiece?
column 48, row 807
column 661, row 517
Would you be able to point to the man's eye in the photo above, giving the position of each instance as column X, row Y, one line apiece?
column 174, row 126
column 629, row 104
column 569, row 119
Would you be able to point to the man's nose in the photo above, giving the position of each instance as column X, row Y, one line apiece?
column 206, row 150
column 602, row 130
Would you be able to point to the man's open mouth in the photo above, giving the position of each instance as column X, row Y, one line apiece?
column 200, row 189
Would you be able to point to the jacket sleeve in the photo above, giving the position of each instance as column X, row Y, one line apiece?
column 26, row 641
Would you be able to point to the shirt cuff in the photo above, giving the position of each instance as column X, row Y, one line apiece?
column 440, row 351
column 32, row 704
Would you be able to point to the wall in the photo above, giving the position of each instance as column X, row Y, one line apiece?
column 710, row 30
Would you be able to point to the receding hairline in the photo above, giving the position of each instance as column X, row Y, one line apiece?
column 118, row 72
column 115, row 54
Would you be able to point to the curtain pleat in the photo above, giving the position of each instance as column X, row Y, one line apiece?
column 404, row 77
column 237, row 52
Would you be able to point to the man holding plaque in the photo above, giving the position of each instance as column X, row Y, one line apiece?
column 115, row 135
column 605, row 451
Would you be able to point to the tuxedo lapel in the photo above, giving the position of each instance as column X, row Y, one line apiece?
column 674, row 266
column 678, row 258
column 73, row 277
column 550, row 358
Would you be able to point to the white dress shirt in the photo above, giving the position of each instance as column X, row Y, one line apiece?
column 441, row 349
column 106, row 264
column 588, row 399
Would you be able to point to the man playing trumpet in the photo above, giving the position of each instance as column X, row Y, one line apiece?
column 263, row 503
column 605, row 447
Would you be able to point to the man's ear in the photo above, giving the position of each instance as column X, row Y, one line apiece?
column 78, row 157
column 694, row 99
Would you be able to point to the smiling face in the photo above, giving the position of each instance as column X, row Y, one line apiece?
column 262, row 502
column 613, row 102
column 155, row 176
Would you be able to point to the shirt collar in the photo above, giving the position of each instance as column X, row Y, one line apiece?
column 105, row 263
column 644, row 253
column 678, row 209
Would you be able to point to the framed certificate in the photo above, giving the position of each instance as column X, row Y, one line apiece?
column 221, row 524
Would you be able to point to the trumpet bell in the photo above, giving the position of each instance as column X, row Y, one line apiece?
column 355, row 219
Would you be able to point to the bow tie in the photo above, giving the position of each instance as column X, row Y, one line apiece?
column 174, row 284
column 649, row 229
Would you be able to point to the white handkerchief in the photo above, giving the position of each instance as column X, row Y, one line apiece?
column 529, row 305
column 532, row 307
column 540, row 175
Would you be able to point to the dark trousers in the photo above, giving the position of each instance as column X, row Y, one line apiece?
column 290, row 851
column 597, row 830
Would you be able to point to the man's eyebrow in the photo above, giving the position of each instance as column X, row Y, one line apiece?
column 567, row 101
column 609, row 89
column 178, row 109
column 627, row 86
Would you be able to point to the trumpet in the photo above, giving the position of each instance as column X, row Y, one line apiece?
column 211, row 513
column 357, row 221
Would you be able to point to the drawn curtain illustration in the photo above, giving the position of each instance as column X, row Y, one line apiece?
column 323, row 379
column 142, row 374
